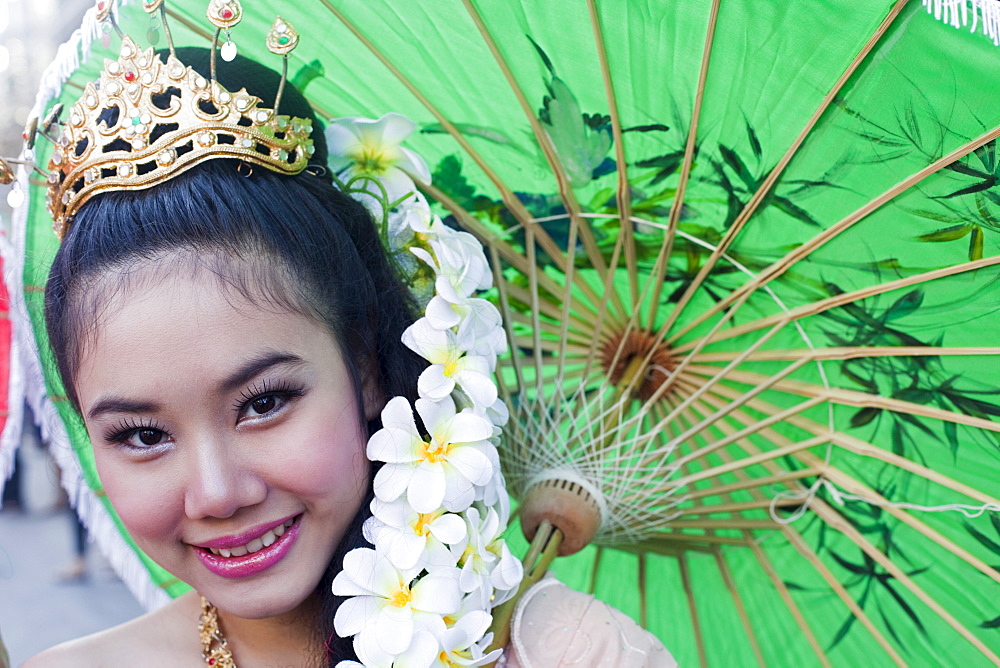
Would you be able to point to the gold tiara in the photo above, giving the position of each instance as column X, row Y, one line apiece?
column 146, row 121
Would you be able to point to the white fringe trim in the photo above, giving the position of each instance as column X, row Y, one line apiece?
column 95, row 517
column 11, row 436
column 959, row 13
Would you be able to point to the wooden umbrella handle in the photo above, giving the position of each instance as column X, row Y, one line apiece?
column 543, row 550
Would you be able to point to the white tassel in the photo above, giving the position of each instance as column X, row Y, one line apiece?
column 957, row 13
column 11, row 436
column 93, row 514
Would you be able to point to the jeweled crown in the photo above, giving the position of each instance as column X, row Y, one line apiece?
column 146, row 121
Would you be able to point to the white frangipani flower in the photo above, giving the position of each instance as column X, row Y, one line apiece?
column 458, row 643
column 362, row 146
column 485, row 560
column 450, row 366
column 409, row 538
column 386, row 607
column 440, row 471
column 421, row 597
column 458, row 259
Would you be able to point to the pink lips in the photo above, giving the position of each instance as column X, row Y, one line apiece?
column 249, row 564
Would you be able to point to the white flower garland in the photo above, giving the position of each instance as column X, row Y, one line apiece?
column 422, row 597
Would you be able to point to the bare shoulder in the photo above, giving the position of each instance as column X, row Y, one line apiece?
column 160, row 637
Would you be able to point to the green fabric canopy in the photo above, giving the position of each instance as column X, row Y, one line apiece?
column 788, row 215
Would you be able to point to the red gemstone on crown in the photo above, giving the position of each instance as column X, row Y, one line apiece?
column 226, row 14
column 211, row 662
column 130, row 76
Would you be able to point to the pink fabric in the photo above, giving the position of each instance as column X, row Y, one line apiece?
column 555, row 626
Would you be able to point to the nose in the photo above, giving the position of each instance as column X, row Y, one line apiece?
column 220, row 480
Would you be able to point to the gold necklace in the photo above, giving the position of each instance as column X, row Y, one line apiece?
column 214, row 648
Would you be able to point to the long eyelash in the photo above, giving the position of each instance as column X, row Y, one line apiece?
column 129, row 426
column 264, row 388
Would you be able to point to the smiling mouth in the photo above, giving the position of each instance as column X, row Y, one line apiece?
column 256, row 545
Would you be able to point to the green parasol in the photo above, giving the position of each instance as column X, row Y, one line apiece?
column 746, row 252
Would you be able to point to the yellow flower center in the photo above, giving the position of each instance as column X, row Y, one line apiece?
column 422, row 525
column 435, row 450
column 469, row 551
column 401, row 598
column 443, row 658
column 450, row 368
column 371, row 161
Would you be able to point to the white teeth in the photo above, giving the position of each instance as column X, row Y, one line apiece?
column 256, row 544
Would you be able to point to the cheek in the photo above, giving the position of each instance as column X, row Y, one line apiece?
column 325, row 459
column 148, row 502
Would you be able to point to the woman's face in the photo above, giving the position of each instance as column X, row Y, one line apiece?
column 227, row 437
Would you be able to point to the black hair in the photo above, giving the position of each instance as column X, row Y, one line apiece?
column 295, row 243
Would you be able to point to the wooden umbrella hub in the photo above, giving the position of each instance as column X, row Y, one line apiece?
column 625, row 350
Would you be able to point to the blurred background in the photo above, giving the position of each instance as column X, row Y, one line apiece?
column 30, row 33
column 51, row 590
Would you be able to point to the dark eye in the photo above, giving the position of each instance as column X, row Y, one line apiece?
column 149, row 436
column 262, row 405
column 265, row 400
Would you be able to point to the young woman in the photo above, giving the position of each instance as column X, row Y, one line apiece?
column 230, row 337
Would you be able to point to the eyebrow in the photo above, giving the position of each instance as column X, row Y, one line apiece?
column 256, row 366
column 243, row 375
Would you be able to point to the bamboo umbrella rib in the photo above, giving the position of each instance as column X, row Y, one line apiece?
column 702, row 387
column 673, row 219
column 510, row 254
column 693, row 609
column 854, row 398
column 735, row 506
column 727, row 578
column 843, row 353
column 553, row 330
column 754, row 484
column 685, row 361
column 803, row 549
column 559, row 312
column 854, row 445
column 758, row 552
column 865, row 449
column 762, row 559
column 572, row 350
column 509, row 199
column 515, row 360
column 836, row 521
column 831, row 580
column 796, row 539
column 772, row 178
column 665, row 537
column 764, row 386
column 623, row 193
column 529, row 242
column 716, row 524
column 566, row 193
column 815, row 308
column 853, row 486
column 806, row 249
column 729, row 584
column 786, row 597
column 486, row 236
column 768, row 455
